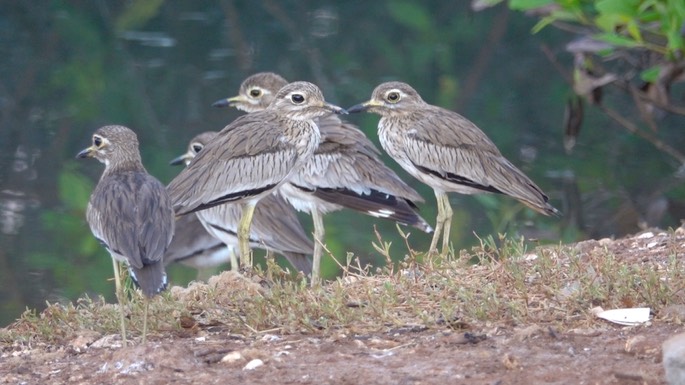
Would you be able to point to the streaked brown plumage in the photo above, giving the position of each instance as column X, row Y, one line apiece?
column 129, row 212
column 447, row 152
column 345, row 171
column 275, row 226
column 252, row 156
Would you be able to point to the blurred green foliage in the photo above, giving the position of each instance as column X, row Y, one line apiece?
column 654, row 25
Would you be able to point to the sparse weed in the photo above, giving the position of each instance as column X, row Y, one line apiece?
column 497, row 282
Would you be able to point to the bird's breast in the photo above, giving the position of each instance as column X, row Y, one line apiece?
column 305, row 136
column 391, row 138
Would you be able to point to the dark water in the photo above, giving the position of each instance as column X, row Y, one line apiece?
column 157, row 66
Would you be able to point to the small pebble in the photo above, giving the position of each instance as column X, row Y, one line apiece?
column 270, row 338
column 232, row 357
column 254, row 364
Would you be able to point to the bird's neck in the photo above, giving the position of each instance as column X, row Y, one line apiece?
column 123, row 166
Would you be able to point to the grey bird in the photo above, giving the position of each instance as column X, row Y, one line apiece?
column 345, row 171
column 275, row 226
column 130, row 213
column 193, row 246
column 253, row 156
column 446, row 151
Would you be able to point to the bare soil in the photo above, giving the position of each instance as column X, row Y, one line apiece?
column 601, row 353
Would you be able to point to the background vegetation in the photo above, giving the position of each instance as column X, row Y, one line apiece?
column 156, row 66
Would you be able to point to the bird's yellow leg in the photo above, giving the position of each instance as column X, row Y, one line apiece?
column 244, row 235
column 120, row 298
column 319, row 234
column 234, row 259
column 447, row 224
column 438, row 223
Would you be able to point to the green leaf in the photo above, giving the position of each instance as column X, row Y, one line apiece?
column 524, row 5
column 672, row 23
column 675, row 41
column 676, row 8
column 634, row 31
column 609, row 22
column 647, row 17
column 617, row 40
column 651, row 74
column 554, row 16
column 618, row 7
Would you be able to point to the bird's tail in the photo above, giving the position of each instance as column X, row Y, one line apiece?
column 151, row 279
column 543, row 208
column 300, row 262
column 377, row 204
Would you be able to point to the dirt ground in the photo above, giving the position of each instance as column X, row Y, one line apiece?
column 602, row 353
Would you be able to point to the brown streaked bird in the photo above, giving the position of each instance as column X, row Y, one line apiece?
column 345, row 171
column 275, row 226
column 130, row 213
column 253, row 156
column 446, row 151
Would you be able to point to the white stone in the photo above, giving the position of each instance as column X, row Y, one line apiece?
column 254, row 364
column 232, row 357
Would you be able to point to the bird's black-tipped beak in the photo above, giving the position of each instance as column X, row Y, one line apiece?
column 85, row 153
column 181, row 160
column 177, row 161
column 366, row 106
column 358, row 108
column 335, row 109
column 221, row 103
column 228, row 102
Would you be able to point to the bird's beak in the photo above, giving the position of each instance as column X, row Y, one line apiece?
column 183, row 159
column 363, row 106
column 334, row 108
column 228, row 102
column 86, row 153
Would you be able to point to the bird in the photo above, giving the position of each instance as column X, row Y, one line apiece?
column 447, row 152
column 252, row 156
column 275, row 226
column 130, row 214
column 193, row 246
column 345, row 171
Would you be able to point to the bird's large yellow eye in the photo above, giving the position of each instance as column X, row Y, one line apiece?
column 197, row 147
column 255, row 92
column 297, row 98
column 393, row 96
column 97, row 141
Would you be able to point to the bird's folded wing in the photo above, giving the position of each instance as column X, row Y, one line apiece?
column 350, row 170
column 452, row 148
column 336, row 134
column 131, row 214
column 247, row 158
